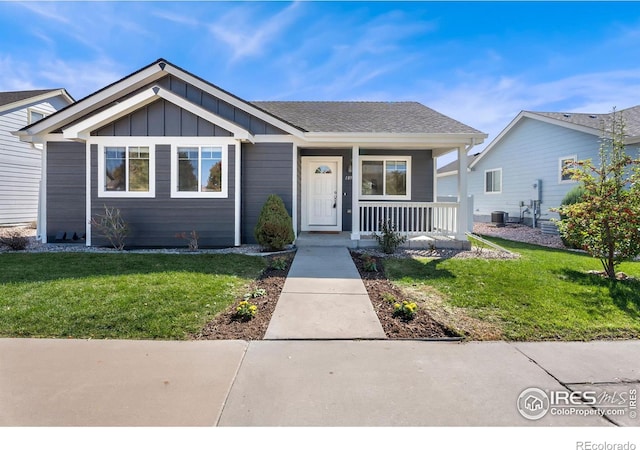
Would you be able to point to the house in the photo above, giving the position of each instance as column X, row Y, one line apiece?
column 521, row 171
column 20, row 161
column 175, row 153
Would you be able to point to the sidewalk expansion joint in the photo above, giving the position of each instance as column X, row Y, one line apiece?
column 452, row 339
column 564, row 385
column 233, row 382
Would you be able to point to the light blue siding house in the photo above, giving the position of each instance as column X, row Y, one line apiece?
column 520, row 171
column 20, row 162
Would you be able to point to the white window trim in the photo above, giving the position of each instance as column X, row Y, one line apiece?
column 484, row 181
column 560, row 167
column 35, row 110
column 365, row 158
column 103, row 193
column 224, row 193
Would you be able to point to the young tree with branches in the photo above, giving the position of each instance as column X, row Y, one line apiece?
column 606, row 223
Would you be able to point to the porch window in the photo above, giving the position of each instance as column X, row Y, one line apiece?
column 385, row 178
column 493, row 181
column 126, row 171
column 199, row 172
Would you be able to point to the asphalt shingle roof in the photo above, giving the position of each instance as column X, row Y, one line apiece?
column 16, row 96
column 631, row 117
column 364, row 117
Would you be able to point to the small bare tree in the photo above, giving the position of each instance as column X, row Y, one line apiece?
column 112, row 227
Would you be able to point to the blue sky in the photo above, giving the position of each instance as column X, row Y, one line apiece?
column 478, row 62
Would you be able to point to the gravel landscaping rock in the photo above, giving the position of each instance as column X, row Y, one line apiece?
column 520, row 233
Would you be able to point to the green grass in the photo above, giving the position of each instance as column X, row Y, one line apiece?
column 546, row 294
column 124, row 296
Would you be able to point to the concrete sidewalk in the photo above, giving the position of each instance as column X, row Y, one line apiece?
column 295, row 383
column 324, row 298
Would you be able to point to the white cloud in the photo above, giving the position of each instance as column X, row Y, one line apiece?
column 16, row 75
column 79, row 78
column 47, row 10
column 176, row 18
column 490, row 104
column 246, row 35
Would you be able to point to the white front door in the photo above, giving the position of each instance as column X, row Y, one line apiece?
column 321, row 194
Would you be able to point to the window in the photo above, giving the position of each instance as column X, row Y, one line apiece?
column 126, row 171
column 563, row 163
column 323, row 169
column 199, row 172
column 386, row 178
column 34, row 115
column 493, row 181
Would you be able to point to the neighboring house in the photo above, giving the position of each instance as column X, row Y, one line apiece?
column 520, row 171
column 176, row 153
column 20, row 161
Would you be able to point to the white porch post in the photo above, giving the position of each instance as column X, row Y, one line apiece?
column 238, row 194
column 42, row 198
column 435, row 179
column 87, row 237
column 355, row 193
column 463, row 198
column 294, row 191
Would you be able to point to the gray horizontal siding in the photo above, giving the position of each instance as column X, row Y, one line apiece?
column 66, row 199
column 162, row 118
column 154, row 222
column 266, row 169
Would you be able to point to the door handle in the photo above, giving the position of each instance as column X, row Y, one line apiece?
column 335, row 199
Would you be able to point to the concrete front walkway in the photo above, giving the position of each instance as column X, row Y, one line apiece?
column 49, row 382
column 324, row 298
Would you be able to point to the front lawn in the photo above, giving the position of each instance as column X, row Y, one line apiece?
column 545, row 294
column 123, row 296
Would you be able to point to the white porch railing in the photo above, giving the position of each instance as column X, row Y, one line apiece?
column 410, row 218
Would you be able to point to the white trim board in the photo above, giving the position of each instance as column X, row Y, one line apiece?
column 82, row 130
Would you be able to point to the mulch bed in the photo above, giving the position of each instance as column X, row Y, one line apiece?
column 226, row 326
column 384, row 294
column 380, row 290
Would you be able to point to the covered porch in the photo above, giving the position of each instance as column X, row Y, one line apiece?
column 352, row 215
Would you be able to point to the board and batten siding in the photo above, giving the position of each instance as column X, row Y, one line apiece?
column 529, row 152
column 267, row 168
column 163, row 118
column 154, row 222
column 20, row 167
column 66, row 193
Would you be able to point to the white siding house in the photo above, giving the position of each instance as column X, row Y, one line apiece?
column 524, row 162
column 20, row 162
